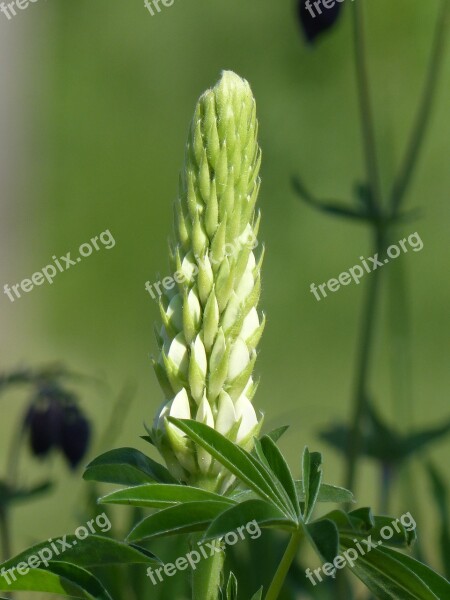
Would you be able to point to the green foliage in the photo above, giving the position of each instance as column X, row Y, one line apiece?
column 69, row 573
column 264, row 491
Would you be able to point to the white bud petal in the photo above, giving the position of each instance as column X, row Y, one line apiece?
column 189, row 267
column 239, row 359
column 246, row 285
column 160, row 415
column 231, row 313
column 250, row 325
column 199, row 353
column 180, row 408
column 245, row 411
column 175, row 312
column 226, row 416
column 204, row 413
column 194, row 307
column 178, row 353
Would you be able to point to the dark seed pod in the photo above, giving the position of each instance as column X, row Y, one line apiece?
column 44, row 421
column 315, row 18
column 76, row 433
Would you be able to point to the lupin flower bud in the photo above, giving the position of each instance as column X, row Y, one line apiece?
column 210, row 323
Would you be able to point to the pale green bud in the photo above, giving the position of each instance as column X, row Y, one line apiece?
column 211, row 325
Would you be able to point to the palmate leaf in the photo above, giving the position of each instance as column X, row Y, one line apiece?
column 263, row 513
column 394, row 576
column 161, row 495
column 68, row 573
column 181, row 518
column 239, row 462
column 127, row 466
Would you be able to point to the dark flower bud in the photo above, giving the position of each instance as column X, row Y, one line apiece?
column 315, row 18
column 44, row 421
column 75, row 435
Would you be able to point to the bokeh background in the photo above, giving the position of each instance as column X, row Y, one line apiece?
column 95, row 102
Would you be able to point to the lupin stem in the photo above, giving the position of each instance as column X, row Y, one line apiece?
column 206, row 578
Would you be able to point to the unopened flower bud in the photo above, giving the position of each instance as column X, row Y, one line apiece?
column 211, row 326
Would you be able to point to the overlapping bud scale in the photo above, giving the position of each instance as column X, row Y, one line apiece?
column 210, row 323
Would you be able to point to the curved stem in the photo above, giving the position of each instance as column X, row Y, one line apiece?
column 367, row 121
column 424, row 113
column 284, row 566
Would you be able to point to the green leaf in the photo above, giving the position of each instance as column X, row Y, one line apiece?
column 440, row 496
column 232, row 588
column 327, row 493
column 342, row 520
column 381, row 442
column 362, row 518
column 312, row 479
column 436, row 583
column 259, row 511
column 332, row 207
column 161, row 495
column 181, row 518
column 126, row 466
column 239, row 462
column 93, row 551
column 9, row 495
column 403, row 538
column 258, row 595
column 422, row 439
column 281, row 470
column 58, row 578
column 325, row 537
column 276, row 434
column 357, row 525
column 391, row 575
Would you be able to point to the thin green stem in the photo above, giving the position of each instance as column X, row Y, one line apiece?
column 364, row 358
column 5, row 535
column 364, row 354
column 367, row 120
column 284, row 566
column 406, row 172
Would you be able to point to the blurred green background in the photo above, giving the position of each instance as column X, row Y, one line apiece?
column 96, row 101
